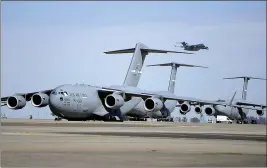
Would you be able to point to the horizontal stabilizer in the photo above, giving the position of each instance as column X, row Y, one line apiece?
column 130, row 50
column 176, row 64
column 243, row 77
column 143, row 48
column 163, row 51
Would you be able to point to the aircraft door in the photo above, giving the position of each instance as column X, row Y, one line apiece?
column 85, row 103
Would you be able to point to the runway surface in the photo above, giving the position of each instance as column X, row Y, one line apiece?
column 46, row 143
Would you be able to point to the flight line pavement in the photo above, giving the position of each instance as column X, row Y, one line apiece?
column 250, row 129
column 87, row 144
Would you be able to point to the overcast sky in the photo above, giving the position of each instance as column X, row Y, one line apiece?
column 46, row 44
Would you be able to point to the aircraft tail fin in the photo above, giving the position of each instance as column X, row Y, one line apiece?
column 174, row 66
column 139, row 54
column 183, row 44
column 245, row 85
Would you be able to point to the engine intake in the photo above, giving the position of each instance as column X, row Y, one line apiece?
column 198, row 109
column 260, row 112
column 40, row 100
column 114, row 101
column 16, row 102
column 153, row 104
column 209, row 111
column 185, row 108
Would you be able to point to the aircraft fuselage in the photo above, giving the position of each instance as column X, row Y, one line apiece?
column 74, row 102
column 231, row 112
column 195, row 47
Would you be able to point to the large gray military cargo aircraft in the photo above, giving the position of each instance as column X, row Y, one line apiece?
column 238, row 114
column 84, row 102
column 195, row 47
column 168, row 105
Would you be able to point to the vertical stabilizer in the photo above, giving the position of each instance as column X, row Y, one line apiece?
column 139, row 54
column 173, row 72
column 245, row 84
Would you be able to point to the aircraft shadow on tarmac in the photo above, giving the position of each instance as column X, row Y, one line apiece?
column 246, row 137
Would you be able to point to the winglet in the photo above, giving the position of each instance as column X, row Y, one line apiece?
column 232, row 99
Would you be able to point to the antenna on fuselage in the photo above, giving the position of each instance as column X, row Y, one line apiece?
column 174, row 66
column 245, row 85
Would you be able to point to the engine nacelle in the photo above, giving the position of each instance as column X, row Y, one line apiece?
column 114, row 101
column 209, row 111
column 40, row 100
column 260, row 112
column 16, row 102
column 153, row 104
column 185, row 108
column 198, row 109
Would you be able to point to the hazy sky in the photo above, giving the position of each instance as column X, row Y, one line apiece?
column 46, row 44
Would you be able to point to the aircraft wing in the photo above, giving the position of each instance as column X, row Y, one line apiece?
column 250, row 104
column 145, row 95
column 3, row 103
column 27, row 96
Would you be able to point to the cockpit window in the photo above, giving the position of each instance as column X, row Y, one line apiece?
column 65, row 93
column 54, row 92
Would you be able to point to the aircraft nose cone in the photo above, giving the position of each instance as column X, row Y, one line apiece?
column 54, row 102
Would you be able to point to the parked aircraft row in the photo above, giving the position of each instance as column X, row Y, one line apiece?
column 86, row 102
column 238, row 114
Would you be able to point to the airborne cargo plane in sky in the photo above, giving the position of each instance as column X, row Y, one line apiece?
column 85, row 102
column 194, row 47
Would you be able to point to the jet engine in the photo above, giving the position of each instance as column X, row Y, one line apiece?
column 260, row 112
column 114, row 101
column 153, row 104
column 16, row 102
column 198, row 109
column 185, row 108
column 40, row 100
column 209, row 111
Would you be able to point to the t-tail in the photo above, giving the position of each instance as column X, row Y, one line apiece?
column 174, row 66
column 139, row 54
column 184, row 44
column 245, row 85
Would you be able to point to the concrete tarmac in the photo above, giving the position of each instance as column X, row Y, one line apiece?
column 40, row 143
